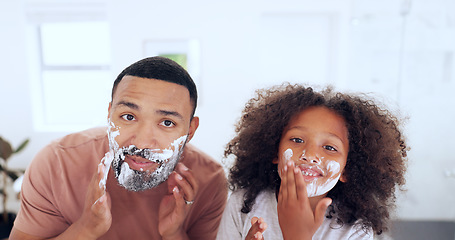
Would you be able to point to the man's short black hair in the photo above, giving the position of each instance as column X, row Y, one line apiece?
column 160, row 68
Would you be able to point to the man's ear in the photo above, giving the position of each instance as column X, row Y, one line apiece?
column 109, row 110
column 194, row 124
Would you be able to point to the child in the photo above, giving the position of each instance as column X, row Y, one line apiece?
column 312, row 165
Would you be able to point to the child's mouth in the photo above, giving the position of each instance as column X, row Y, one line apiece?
column 311, row 172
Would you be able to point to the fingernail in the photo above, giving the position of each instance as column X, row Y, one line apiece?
column 184, row 168
column 179, row 177
column 176, row 189
column 102, row 198
column 285, row 168
column 296, row 170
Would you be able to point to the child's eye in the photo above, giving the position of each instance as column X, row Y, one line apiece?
column 167, row 123
column 297, row 140
column 330, row 148
column 128, row 117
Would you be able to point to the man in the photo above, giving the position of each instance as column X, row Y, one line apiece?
column 154, row 189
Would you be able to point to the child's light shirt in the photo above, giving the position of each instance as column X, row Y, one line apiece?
column 235, row 224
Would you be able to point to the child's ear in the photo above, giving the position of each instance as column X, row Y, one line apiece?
column 275, row 160
column 343, row 177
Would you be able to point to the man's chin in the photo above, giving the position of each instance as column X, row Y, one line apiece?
column 134, row 180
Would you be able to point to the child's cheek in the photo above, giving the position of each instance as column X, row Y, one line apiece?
column 286, row 157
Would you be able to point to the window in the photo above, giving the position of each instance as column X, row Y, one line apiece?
column 73, row 79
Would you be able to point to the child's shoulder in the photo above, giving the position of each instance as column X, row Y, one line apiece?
column 239, row 195
column 264, row 198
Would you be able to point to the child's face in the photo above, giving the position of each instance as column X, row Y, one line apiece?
column 316, row 140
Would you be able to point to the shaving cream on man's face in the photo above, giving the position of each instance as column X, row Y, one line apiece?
column 151, row 166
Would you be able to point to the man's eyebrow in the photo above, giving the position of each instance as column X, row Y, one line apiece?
column 128, row 104
column 169, row 113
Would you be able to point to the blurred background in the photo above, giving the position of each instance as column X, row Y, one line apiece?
column 58, row 60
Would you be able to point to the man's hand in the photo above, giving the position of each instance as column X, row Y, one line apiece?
column 296, row 218
column 182, row 186
column 258, row 226
column 96, row 218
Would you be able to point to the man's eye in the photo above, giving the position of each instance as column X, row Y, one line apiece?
column 128, row 117
column 297, row 140
column 330, row 148
column 167, row 123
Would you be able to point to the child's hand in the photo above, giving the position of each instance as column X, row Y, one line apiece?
column 296, row 218
column 258, row 226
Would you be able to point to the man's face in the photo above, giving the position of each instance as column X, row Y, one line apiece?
column 150, row 122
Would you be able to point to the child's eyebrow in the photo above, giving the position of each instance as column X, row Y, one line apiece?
column 327, row 133
column 335, row 136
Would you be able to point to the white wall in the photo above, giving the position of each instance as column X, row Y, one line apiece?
column 358, row 45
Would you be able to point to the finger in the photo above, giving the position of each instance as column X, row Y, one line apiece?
column 291, row 190
column 100, row 207
column 179, row 201
column 187, row 182
column 300, row 185
column 185, row 188
column 254, row 229
column 97, row 189
column 321, row 208
column 258, row 236
column 282, row 196
column 262, row 225
column 254, row 220
column 188, row 174
column 171, row 182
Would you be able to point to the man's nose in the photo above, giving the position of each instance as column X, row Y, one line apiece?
column 146, row 136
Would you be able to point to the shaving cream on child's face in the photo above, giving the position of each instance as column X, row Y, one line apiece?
column 320, row 176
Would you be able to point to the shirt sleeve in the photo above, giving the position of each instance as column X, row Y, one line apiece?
column 38, row 211
column 214, row 198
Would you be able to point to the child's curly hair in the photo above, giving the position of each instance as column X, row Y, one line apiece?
column 376, row 160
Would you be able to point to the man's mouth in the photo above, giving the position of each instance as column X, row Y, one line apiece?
column 141, row 164
column 144, row 159
column 147, row 155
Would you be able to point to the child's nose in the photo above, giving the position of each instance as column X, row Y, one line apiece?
column 310, row 156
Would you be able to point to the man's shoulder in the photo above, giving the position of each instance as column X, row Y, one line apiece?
column 204, row 167
column 83, row 137
column 193, row 156
column 88, row 144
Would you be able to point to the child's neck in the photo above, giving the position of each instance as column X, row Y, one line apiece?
column 313, row 200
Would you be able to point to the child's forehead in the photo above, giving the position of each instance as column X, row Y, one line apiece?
column 316, row 112
column 318, row 118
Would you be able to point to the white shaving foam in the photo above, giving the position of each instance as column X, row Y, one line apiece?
column 314, row 188
column 109, row 156
column 169, row 156
column 287, row 155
